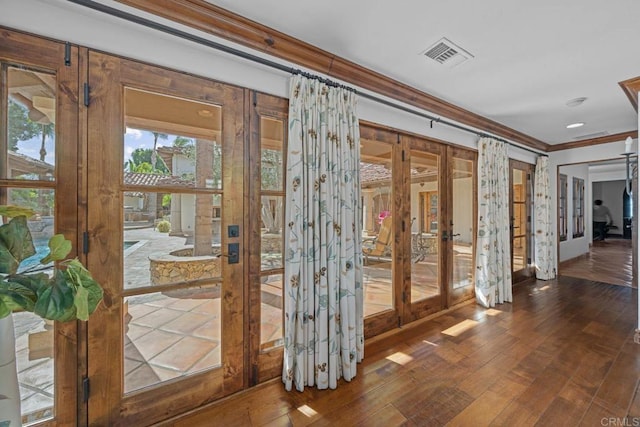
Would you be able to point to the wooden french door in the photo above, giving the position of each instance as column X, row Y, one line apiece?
column 423, row 274
column 521, row 184
column 419, row 215
column 38, row 142
column 166, row 233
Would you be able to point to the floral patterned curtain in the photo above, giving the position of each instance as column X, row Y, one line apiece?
column 323, row 326
column 544, row 239
column 493, row 254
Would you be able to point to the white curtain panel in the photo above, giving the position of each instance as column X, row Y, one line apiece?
column 545, row 237
column 493, row 254
column 323, row 308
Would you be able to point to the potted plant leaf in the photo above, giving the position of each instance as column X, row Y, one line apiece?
column 62, row 292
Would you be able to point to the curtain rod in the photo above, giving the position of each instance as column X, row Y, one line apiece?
column 278, row 66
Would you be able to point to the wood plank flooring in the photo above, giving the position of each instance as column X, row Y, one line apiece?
column 561, row 354
column 608, row 262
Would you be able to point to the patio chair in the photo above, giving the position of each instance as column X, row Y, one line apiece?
column 380, row 246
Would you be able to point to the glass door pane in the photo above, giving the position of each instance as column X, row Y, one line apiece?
column 423, row 241
column 168, row 241
column 521, row 189
column 267, row 153
column 425, row 218
column 463, row 224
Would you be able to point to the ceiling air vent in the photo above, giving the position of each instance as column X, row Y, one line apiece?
column 447, row 53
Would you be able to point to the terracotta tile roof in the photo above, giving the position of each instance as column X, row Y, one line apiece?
column 153, row 180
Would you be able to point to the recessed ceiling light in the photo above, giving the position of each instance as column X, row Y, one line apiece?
column 575, row 125
column 576, row 101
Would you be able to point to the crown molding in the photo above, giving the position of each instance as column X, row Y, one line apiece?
column 219, row 22
column 593, row 141
column 631, row 87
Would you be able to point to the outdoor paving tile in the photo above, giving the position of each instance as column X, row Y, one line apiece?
column 210, row 360
column 183, row 354
column 186, row 304
column 139, row 378
column 165, row 374
column 39, row 376
column 152, row 344
column 211, row 307
column 186, row 323
column 136, row 331
column 157, row 318
column 140, row 310
column 210, row 330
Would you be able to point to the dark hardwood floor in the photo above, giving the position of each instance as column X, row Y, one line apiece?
column 608, row 262
column 561, row 354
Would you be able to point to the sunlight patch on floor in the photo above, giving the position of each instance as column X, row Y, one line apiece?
column 430, row 343
column 492, row 312
column 307, row 410
column 461, row 327
column 400, row 358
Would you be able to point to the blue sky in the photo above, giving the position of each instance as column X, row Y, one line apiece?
column 133, row 138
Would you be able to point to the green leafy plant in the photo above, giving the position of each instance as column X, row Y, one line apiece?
column 69, row 293
column 164, row 226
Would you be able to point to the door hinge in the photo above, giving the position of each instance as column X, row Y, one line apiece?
column 255, row 99
column 85, row 242
column 528, row 218
column 67, row 54
column 404, row 297
column 529, row 261
column 86, row 94
column 399, row 322
column 86, row 389
column 403, row 225
column 403, row 155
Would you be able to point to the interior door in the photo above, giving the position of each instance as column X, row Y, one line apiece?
column 462, row 205
column 39, row 146
column 166, row 237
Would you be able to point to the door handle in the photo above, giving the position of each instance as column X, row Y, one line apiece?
column 445, row 236
column 453, row 235
column 233, row 253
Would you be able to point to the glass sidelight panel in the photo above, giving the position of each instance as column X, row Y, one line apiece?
column 463, row 223
column 35, row 336
column 377, row 210
column 519, row 219
column 271, row 333
column 425, row 220
column 170, row 334
column 31, row 118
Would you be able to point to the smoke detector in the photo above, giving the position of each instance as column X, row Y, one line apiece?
column 445, row 52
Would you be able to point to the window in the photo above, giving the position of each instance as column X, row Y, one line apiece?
column 562, row 208
column 578, row 207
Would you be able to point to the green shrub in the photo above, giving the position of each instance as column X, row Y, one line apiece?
column 164, row 226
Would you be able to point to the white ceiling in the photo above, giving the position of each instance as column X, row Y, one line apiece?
column 530, row 58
